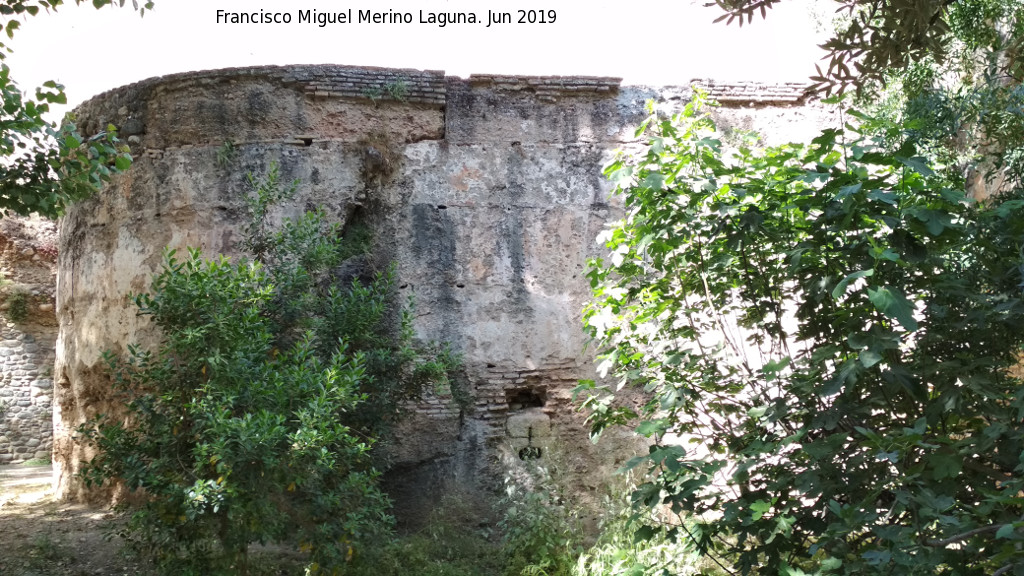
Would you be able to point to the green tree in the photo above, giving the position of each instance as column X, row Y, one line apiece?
column 876, row 37
column 46, row 167
column 825, row 336
column 964, row 110
column 255, row 418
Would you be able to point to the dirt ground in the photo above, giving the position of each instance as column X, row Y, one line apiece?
column 40, row 536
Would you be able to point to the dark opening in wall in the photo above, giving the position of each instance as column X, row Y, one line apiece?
column 530, row 453
column 527, row 397
column 380, row 157
column 356, row 232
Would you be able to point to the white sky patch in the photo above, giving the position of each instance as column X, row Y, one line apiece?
column 653, row 42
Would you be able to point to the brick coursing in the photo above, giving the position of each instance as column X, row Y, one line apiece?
column 731, row 93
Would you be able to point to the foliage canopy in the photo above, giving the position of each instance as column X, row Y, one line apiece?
column 47, row 167
column 963, row 109
column 877, row 37
column 825, row 333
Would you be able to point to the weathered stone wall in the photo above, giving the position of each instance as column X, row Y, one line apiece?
column 28, row 330
column 26, row 392
column 485, row 192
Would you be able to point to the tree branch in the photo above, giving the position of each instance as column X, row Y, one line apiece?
column 965, row 535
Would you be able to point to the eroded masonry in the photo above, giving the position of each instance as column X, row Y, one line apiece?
column 486, row 192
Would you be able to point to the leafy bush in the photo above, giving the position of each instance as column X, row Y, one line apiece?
column 544, row 532
column 626, row 548
column 254, row 419
column 17, row 304
column 825, row 333
column 541, row 525
column 457, row 540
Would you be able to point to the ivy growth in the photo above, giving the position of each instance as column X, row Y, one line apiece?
column 825, row 333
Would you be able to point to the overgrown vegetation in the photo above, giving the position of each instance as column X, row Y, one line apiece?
column 47, row 167
column 457, row 540
column 876, row 39
column 17, row 304
column 626, row 548
column 254, row 420
column 535, row 529
column 226, row 153
column 541, row 522
column 825, row 332
column 397, row 90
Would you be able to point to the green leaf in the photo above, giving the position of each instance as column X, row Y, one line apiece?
column 849, row 190
column 840, row 288
column 1005, row 531
column 831, row 563
column 935, row 221
column 650, row 428
column 883, row 196
column 877, row 557
column 889, row 254
column 654, row 181
column 772, row 369
column 892, row 303
column 643, row 534
column 759, row 509
column 869, row 358
column 917, row 164
column 787, row 570
column 945, row 465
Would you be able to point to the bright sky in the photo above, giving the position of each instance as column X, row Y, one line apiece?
column 657, row 42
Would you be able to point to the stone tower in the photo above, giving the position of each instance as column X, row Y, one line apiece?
column 486, row 192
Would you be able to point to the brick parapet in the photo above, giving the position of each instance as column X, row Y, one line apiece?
column 426, row 87
column 739, row 93
column 429, row 87
column 548, row 88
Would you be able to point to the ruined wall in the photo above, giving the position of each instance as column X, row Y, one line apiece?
column 28, row 330
column 486, row 192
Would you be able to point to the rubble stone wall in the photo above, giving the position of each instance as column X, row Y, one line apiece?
column 28, row 332
column 26, row 392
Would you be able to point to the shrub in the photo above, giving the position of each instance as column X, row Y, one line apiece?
column 541, row 524
column 625, row 548
column 254, row 419
column 457, row 540
column 17, row 304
